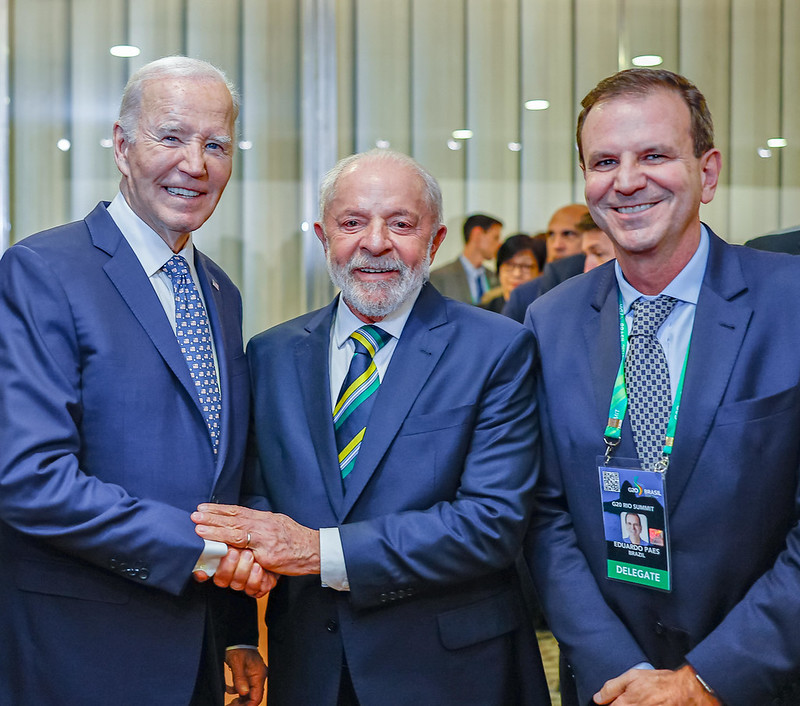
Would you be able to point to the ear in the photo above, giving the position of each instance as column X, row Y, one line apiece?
column 438, row 239
column 710, row 166
column 121, row 146
column 321, row 235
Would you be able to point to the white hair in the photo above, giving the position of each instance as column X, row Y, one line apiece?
column 166, row 67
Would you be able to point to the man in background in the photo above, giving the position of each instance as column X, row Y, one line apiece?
column 466, row 279
column 404, row 490
column 564, row 260
column 124, row 404
column 596, row 246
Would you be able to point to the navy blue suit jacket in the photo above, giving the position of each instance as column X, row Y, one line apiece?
column 732, row 485
column 103, row 454
column 432, row 520
column 554, row 274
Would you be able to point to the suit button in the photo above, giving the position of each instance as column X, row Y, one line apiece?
column 660, row 629
column 401, row 593
column 332, row 625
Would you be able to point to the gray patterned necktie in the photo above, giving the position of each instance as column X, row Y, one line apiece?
column 647, row 378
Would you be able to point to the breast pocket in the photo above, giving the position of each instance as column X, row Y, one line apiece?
column 758, row 408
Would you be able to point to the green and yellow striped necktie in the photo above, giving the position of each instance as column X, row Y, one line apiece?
column 353, row 407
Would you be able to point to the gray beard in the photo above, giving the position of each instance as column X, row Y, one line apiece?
column 375, row 300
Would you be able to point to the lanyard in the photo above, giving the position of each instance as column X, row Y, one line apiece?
column 619, row 400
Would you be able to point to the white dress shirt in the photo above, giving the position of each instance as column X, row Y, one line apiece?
column 333, row 572
column 152, row 252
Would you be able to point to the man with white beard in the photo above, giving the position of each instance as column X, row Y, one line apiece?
column 404, row 486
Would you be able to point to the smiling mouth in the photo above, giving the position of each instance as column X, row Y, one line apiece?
column 176, row 191
column 634, row 209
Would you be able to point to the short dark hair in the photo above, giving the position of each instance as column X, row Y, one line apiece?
column 586, row 223
column 641, row 81
column 479, row 220
column 519, row 242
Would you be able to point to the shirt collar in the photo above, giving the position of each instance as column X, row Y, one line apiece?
column 148, row 246
column 684, row 287
column 347, row 322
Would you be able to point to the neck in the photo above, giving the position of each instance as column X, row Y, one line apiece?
column 650, row 272
column 472, row 254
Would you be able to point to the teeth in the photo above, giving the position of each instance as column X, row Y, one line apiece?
column 175, row 191
column 374, row 270
column 634, row 209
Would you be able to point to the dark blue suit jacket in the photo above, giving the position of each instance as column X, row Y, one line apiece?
column 432, row 520
column 732, row 485
column 103, row 454
column 554, row 274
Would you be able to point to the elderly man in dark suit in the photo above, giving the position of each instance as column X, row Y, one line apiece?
column 124, row 403
column 406, row 519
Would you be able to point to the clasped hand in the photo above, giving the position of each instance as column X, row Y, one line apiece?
column 261, row 546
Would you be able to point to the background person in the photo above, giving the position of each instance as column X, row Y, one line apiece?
column 466, row 279
column 519, row 259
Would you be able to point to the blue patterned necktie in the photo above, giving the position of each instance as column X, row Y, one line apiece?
column 194, row 338
column 647, row 378
column 357, row 395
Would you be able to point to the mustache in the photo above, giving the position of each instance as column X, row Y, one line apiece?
column 361, row 261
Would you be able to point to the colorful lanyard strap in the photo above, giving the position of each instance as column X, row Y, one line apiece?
column 619, row 401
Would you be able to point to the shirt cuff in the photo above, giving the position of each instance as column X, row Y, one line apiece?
column 643, row 665
column 211, row 556
column 333, row 572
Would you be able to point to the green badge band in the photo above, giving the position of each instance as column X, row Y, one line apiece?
column 619, row 397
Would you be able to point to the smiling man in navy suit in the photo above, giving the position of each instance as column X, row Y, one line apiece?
column 123, row 403
column 718, row 621
column 399, row 553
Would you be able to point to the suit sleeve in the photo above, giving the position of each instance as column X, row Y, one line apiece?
column 592, row 637
column 479, row 530
column 45, row 493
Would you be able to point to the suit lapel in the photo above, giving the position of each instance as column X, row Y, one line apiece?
column 313, row 378
column 604, row 350
column 421, row 345
column 720, row 323
column 126, row 273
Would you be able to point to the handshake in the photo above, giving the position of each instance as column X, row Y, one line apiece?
column 261, row 547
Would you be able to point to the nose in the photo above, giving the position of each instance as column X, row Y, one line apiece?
column 629, row 177
column 193, row 160
column 376, row 239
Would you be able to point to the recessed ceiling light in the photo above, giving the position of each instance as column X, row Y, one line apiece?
column 776, row 142
column 383, row 144
column 245, row 145
column 538, row 104
column 125, row 50
column 647, row 60
column 462, row 134
column 453, row 145
column 514, row 146
column 764, row 153
column 107, row 142
column 64, row 144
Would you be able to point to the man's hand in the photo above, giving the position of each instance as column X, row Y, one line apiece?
column 278, row 543
column 655, row 687
column 239, row 570
column 249, row 673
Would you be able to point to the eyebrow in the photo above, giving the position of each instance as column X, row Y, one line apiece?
column 176, row 128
